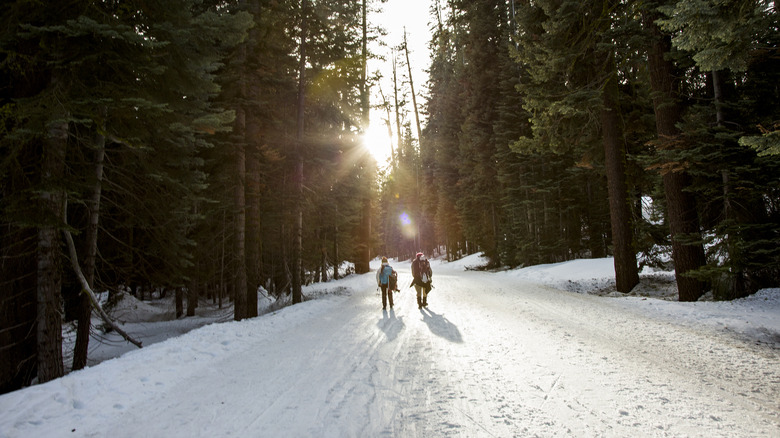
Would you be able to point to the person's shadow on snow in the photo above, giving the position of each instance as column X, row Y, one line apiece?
column 441, row 326
column 390, row 324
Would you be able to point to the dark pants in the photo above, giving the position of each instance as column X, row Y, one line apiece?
column 386, row 293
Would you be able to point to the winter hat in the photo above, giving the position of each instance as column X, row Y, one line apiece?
column 384, row 259
column 419, row 254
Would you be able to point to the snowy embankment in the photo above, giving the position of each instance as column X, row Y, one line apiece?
column 495, row 354
column 755, row 318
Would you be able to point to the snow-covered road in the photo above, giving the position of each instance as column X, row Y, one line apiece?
column 487, row 358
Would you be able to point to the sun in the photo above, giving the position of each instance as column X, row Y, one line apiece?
column 378, row 142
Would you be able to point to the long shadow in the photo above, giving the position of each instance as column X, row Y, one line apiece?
column 441, row 326
column 391, row 325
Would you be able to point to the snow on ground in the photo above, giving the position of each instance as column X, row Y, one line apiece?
column 542, row 351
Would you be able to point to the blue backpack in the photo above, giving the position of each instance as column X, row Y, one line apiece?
column 384, row 274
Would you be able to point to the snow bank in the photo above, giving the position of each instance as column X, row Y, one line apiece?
column 756, row 317
column 129, row 309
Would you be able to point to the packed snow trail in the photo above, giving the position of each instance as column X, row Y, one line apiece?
column 487, row 358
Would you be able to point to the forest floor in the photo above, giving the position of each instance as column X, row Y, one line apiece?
column 495, row 354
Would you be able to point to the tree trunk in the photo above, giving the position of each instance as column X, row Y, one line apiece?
column 18, row 342
column 253, row 140
column 626, row 274
column 81, row 348
column 365, row 255
column 253, row 218
column 414, row 98
column 297, row 294
column 240, row 303
column 386, row 105
column 682, row 213
column 364, row 98
column 297, row 265
column 336, row 260
column 399, row 137
column 222, row 285
column 240, row 133
column 179, row 297
column 419, row 136
column 192, row 298
column 322, row 269
column 364, row 248
column 49, row 319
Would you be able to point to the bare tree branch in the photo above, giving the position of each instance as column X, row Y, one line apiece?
column 74, row 261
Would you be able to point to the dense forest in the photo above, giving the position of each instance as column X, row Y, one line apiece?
column 206, row 149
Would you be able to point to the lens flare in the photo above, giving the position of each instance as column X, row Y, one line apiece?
column 408, row 229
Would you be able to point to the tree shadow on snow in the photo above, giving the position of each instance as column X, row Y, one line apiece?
column 441, row 326
column 390, row 324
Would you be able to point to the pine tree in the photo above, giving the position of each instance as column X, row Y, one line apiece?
column 484, row 40
column 727, row 40
column 573, row 98
column 441, row 135
column 682, row 215
column 113, row 74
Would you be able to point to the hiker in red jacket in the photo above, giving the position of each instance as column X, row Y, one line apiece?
column 421, row 271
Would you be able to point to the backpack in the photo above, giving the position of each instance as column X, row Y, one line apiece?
column 385, row 273
column 425, row 267
column 393, row 285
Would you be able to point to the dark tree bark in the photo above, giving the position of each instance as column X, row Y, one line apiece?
column 240, row 303
column 364, row 98
column 81, row 348
column 222, row 283
column 18, row 361
column 179, row 297
column 192, row 298
column 364, row 249
column 626, row 274
column 397, row 107
column 240, row 202
column 336, row 259
column 297, row 294
column 253, row 218
column 49, row 331
column 322, row 269
column 414, row 98
column 682, row 213
column 253, row 140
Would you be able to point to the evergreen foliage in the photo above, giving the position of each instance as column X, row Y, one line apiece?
column 545, row 169
column 165, row 85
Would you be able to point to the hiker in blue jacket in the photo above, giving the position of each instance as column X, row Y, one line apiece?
column 383, row 281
